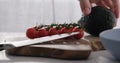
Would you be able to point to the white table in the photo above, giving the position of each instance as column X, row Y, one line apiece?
column 95, row 57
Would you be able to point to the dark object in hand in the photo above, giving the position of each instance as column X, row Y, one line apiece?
column 98, row 20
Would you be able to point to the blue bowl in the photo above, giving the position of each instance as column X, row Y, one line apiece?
column 111, row 41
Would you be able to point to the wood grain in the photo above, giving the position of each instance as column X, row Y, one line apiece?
column 68, row 48
column 95, row 43
column 62, row 49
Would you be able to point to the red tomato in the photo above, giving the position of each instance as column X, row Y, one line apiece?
column 53, row 31
column 64, row 30
column 42, row 32
column 32, row 33
column 69, row 30
column 80, row 35
column 60, row 31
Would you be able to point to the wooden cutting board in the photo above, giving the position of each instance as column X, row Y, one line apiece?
column 68, row 48
column 95, row 43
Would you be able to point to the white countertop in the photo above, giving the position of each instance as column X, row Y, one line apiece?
column 95, row 57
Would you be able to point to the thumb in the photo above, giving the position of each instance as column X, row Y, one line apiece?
column 85, row 6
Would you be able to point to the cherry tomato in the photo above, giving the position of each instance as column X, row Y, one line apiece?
column 67, row 30
column 53, row 31
column 32, row 33
column 42, row 32
column 80, row 35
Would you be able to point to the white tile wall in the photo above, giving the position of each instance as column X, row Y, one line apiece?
column 17, row 15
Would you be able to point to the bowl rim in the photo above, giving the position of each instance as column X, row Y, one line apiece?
column 104, row 32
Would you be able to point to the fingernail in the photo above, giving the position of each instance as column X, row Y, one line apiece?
column 86, row 11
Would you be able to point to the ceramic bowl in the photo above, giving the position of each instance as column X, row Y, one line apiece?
column 111, row 41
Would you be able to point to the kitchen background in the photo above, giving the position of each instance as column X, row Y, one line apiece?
column 18, row 15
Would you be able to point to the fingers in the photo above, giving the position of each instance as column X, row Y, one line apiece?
column 85, row 6
column 111, row 4
column 105, row 3
column 116, row 7
column 108, row 4
column 101, row 3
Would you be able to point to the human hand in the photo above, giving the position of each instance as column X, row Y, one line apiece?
column 111, row 4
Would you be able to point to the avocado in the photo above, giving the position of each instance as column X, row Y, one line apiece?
column 100, row 19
